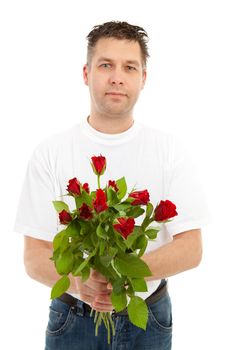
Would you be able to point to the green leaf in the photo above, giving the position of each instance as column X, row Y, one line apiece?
column 60, row 205
column 58, row 239
column 78, row 201
column 143, row 246
column 118, row 285
column 102, row 247
column 64, row 262
column 106, row 260
column 131, row 266
column 139, row 284
column 85, row 262
column 85, row 273
column 85, row 227
column 152, row 233
column 138, row 312
column 56, row 254
column 94, row 238
column 101, row 232
column 108, row 272
column 73, row 229
column 135, row 211
column 133, row 236
column 119, row 301
column 122, row 186
column 87, row 243
column 141, row 242
column 120, row 242
column 122, row 207
column 60, row 287
column 81, row 267
column 86, row 198
column 142, row 251
column 64, row 244
column 112, row 251
column 130, row 291
column 78, row 261
column 149, row 209
column 112, row 196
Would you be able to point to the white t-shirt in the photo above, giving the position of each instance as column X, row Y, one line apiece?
column 148, row 158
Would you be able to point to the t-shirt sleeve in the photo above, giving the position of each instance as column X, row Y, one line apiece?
column 184, row 189
column 36, row 216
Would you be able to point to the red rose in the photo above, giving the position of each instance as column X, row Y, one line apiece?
column 113, row 184
column 141, row 197
column 100, row 201
column 64, row 217
column 98, row 164
column 74, row 187
column 125, row 226
column 86, row 187
column 85, row 212
column 165, row 210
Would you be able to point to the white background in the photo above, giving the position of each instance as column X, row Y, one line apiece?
column 188, row 93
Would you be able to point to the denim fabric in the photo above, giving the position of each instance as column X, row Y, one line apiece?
column 70, row 328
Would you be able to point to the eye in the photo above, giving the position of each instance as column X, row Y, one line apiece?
column 131, row 68
column 105, row 65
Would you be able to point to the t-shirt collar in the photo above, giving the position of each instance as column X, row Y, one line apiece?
column 109, row 139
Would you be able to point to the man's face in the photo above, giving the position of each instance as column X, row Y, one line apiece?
column 115, row 77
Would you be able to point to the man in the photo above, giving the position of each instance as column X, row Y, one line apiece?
column 115, row 74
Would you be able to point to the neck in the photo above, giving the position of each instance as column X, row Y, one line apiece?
column 110, row 126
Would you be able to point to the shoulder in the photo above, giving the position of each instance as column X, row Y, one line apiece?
column 161, row 140
column 56, row 142
column 50, row 149
column 158, row 135
column 170, row 147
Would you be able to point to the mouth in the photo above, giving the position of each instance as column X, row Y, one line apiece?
column 116, row 94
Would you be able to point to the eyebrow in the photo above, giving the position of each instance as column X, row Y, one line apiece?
column 106, row 59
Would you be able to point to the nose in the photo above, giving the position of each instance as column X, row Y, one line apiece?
column 116, row 78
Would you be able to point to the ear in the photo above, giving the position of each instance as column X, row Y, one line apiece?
column 144, row 75
column 85, row 74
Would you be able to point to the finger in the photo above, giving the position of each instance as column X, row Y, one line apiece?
column 102, row 307
column 97, row 287
column 97, row 276
column 86, row 298
column 109, row 286
column 103, row 299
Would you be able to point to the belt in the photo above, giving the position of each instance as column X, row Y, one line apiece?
column 158, row 294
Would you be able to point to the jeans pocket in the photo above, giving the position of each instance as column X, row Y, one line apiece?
column 60, row 317
column 160, row 314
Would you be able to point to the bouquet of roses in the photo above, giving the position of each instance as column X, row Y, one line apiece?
column 101, row 234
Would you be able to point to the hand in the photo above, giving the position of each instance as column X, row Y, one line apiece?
column 95, row 291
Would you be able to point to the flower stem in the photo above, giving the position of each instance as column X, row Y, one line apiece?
column 106, row 318
column 98, row 179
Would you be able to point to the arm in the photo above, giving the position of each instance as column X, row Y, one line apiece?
column 40, row 268
column 183, row 253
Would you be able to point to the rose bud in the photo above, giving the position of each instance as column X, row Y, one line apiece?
column 64, row 217
column 125, row 226
column 74, row 187
column 113, row 184
column 85, row 212
column 86, row 187
column 100, row 203
column 165, row 210
column 141, row 197
column 98, row 164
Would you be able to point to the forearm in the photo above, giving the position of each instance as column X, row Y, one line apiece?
column 39, row 267
column 182, row 254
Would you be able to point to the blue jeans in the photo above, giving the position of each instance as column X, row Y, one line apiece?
column 70, row 330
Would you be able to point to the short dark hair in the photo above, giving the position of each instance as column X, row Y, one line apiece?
column 121, row 31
